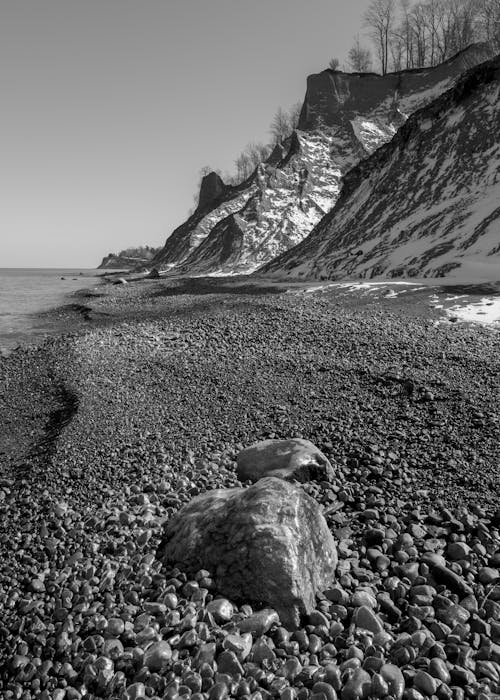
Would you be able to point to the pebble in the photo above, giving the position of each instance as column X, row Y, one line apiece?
column 424, row 682
column 221, row 609
column 240, row 644
column 363, row 598
column 157, row 656
column 394, row 678
column 365, row 618
column 358, row 686
column 259, row 623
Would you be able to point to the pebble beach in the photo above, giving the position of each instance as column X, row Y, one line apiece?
column 146, row 401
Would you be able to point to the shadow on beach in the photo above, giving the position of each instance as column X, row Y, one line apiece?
column 476, row 289
column 217, row 285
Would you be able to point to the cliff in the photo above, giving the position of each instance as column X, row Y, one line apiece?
column 345, row 118
column 425, row 204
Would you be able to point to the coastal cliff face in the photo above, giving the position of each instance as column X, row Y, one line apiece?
column 425, row 204
column 344, row 119
column 334, row 97
column 129, row 259
column 120, row 262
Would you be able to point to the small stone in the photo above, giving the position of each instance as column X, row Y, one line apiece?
column 424, row 682
column 291, row 668
column 221, row 609
column 227, row 662
column 454, row 615
column 488, row 575
column 37, row 586
column 380, row 687
column 365, row 618
column 457, row 551
column 241, row 645
column 261, row 651
column 219, row 691
column 260, row 622
column 363, row 598
column 157, row 656
column 358, row 686
column 324, row 689
column 105, row 671
column 492, row 609
column 438, row 669
column 293, row 459
column 413, row 693
column 188, row 639
column 317, row 619
column 112, row 648
column 451, row 580
column 115, row 627
column 394, row 679
column 136, row 691
column 205, row 655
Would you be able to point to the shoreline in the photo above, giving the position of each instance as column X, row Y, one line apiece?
column 54, row 318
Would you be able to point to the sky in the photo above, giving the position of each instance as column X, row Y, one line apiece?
column 110, row 108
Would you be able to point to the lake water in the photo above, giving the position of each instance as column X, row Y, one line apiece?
column 24, row 292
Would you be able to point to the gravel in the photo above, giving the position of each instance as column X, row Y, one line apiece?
column 106, row 434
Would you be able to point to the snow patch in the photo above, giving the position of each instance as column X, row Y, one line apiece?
column 486, row 311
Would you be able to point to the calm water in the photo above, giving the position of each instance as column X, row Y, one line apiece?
column 24, row 292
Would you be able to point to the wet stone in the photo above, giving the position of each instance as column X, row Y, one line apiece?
column 259, row 623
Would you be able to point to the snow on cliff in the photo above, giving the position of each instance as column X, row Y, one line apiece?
column 425, row 204
column 345, row 118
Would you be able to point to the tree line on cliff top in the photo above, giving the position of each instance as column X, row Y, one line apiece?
column 406, row 34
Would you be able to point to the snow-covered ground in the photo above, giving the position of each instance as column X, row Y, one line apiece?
column 466, row 306
column 486, row 311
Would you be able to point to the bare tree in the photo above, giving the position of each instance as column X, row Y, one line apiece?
column 334, row 64
column 280, row 126
column 380, row 18
column 249, row 159
column 243, row 166
column 489, row 21
column 284, row 122
column 359, row 57
column 258, row 152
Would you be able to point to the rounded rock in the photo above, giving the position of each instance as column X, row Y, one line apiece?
column 394, row 678
column 157, row 656
column 221, row 609
column 358, row 687
column 424, row 682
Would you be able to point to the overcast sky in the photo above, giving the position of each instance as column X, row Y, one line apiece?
column 109, row 108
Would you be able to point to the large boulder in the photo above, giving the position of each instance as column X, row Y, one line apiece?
column 268, row 543
column 293, row 459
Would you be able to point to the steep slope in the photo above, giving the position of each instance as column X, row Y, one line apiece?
column 425, row 204
column 345, row 117
column 216, row 201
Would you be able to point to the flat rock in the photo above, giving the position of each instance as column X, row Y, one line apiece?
column 294, row 459
column 268, row 543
